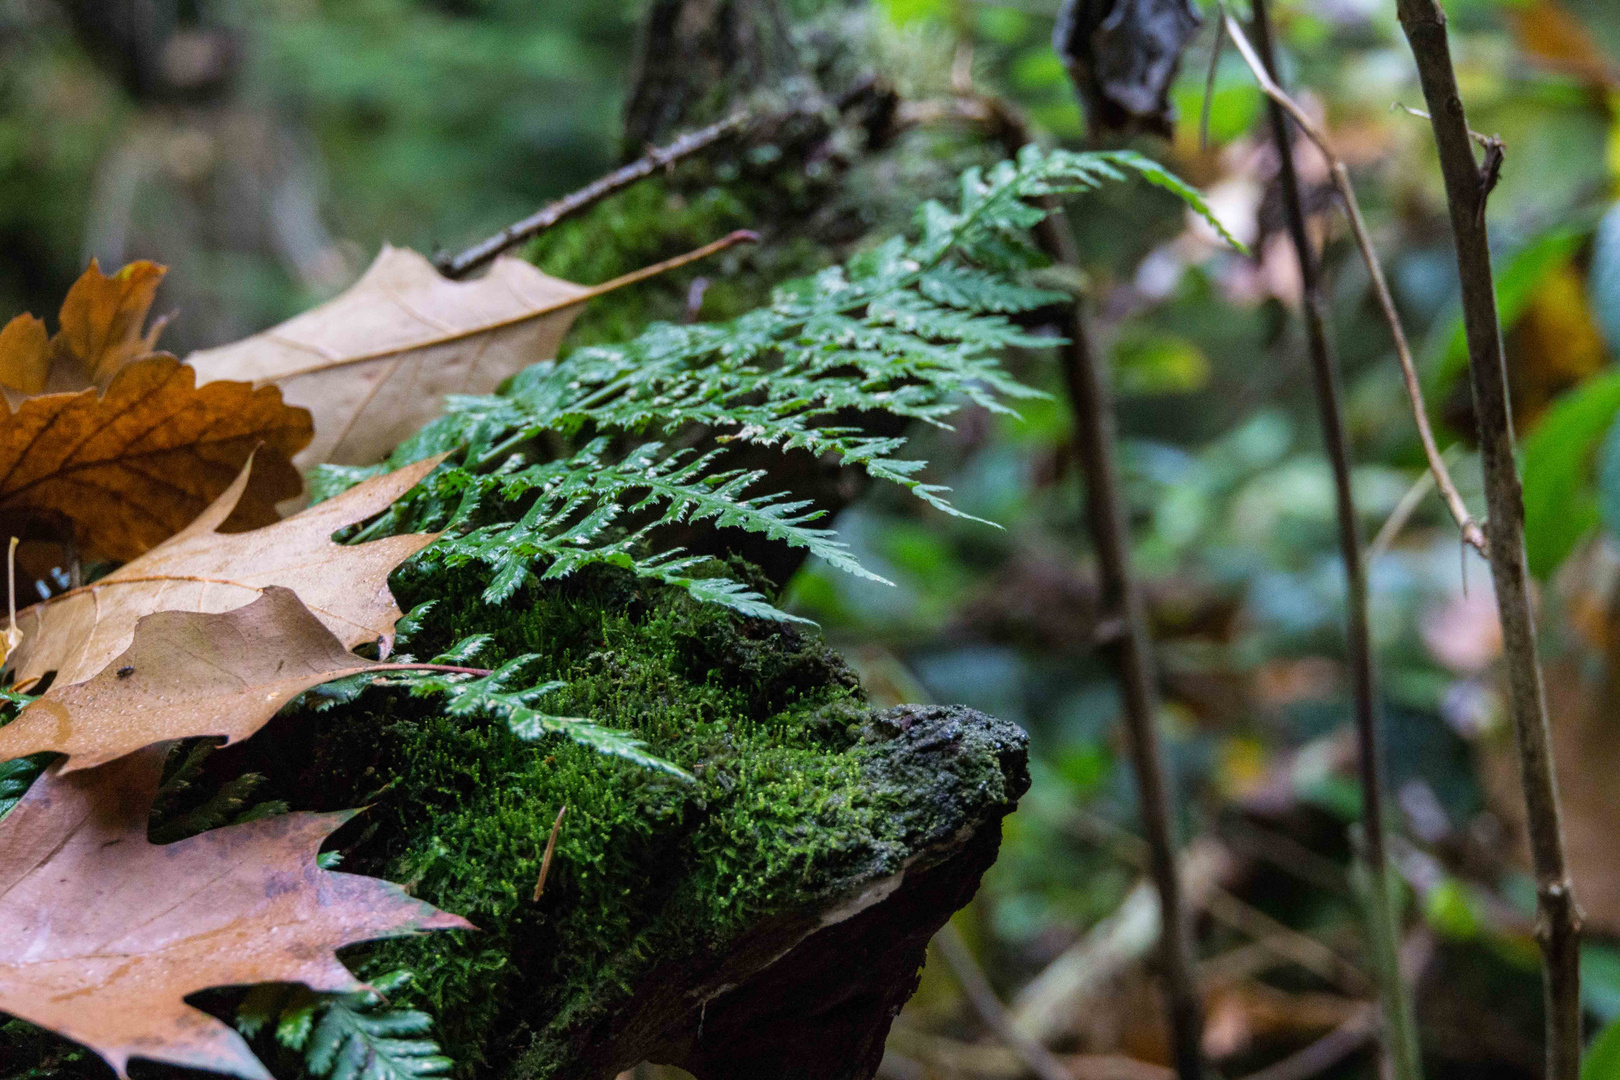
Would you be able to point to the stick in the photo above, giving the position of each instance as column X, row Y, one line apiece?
column 457, row 266
column 1471, row 532
column 1398, row 1042
column 1467, row 187
column 983, row 998
column 1092, row 401
column 1324, row 1053
column 551, row 848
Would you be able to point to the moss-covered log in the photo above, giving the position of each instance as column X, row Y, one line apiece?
column 765, row 918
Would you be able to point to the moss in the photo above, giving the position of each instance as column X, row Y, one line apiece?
column 798, row 791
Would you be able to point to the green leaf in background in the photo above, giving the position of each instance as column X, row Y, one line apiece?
column 1560, row 503
column 1517, row 279
column 1603, row 279
column 1600, row 981
column 1602, row 1061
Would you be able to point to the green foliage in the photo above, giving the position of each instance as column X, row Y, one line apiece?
column 793, row 792
column 490, row 696
column 1602, row 1060
column 910, row 328
column 354, row 1036
column 1559, row 501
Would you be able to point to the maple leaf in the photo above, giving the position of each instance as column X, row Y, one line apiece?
column 201, row 569
column 123, row 469
column 187, row 673
column 375, row 363
column 103, row 934
column 100, row 332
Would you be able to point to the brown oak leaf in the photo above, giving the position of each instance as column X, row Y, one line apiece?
column 121, row 470
column 375, row 363
column 103, row 934
column 100, row 331
column 186, row 673
column 201, row 569
column 102, row 317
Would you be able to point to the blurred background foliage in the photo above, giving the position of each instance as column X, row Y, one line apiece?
column 265, row 149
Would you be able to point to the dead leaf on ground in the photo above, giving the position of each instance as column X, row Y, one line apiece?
column 122, row 470
column 101, row 323
column 185, row 674
column 103, row 934
column 200, row 569
column 375, row 363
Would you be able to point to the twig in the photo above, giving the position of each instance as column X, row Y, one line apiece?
column 551, row 848
column 1471, row 531
column 455, row 266
column 1326, row 1052
column 1091, row 398
column 1467, row 186
column 1399, row 1042
column 448, row 669
column 1225, row 907
column 1398, row 517
column 983, row 998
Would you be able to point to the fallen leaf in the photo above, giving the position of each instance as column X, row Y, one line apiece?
column 103, row 934
column 102, row 317
column 200, row 569
column 186, row 673
column 25, row 354
column 375, row 363
column 123, row 469
column 100, row 331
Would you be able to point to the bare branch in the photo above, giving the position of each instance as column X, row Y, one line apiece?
column 456, row 266
column 1471, row 531
column 1468, row 185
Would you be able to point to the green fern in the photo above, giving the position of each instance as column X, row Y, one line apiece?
column 912, row 328
column 354, row 1036
column 580, row 460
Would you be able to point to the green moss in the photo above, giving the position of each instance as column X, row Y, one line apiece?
column 798, row 791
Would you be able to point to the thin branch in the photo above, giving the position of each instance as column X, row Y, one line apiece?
column 982, row 996
column 1471, row 531
column 1398, row 517
column 1399, row 1043
column 447, row 669
column 1091, row 400
column 1326, row 1052
column 1468, row 184
column 659, row 158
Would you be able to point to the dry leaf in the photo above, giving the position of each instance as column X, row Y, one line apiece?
column 123, row 470
column 185, row 674
column 374, row 364
column 101, row 319
column 201, row 569
column 25, row 354
column 99, row 333
column 103, row 934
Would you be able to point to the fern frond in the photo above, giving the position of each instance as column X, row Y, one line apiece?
column 354, row 1036
column 493, row 695
column 581, row 461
